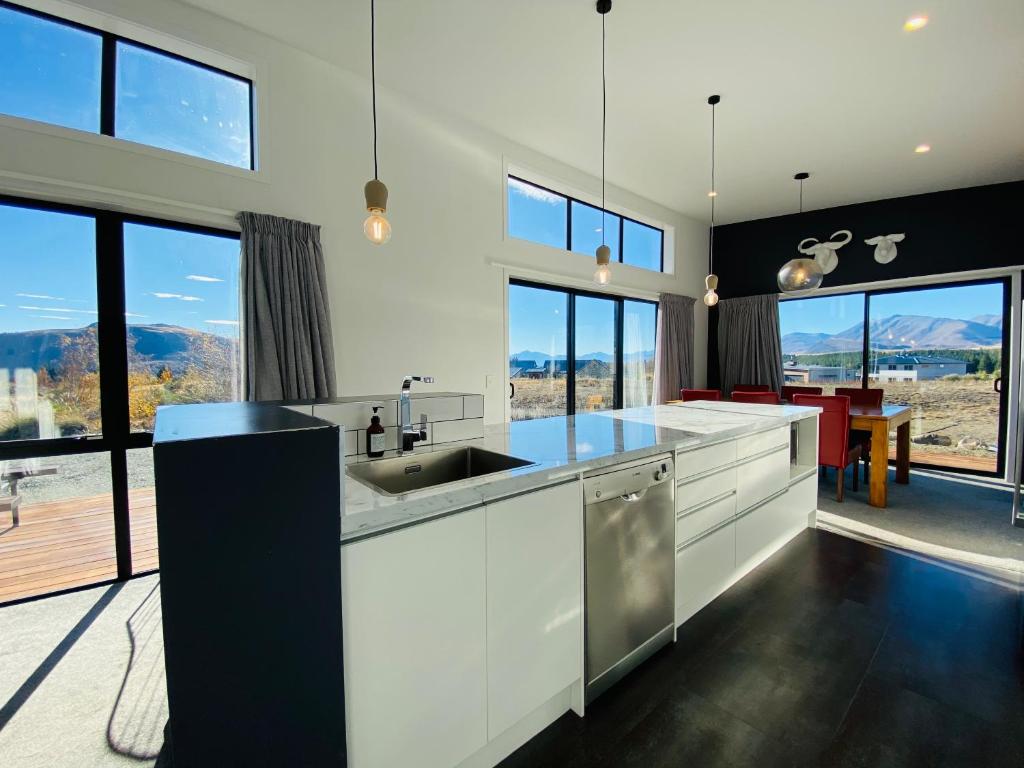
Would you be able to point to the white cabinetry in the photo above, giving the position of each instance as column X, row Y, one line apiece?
column 534, row 601
column 415, row 630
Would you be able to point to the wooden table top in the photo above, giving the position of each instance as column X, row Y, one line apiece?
column 894, row 414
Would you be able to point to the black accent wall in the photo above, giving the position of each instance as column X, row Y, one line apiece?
column 953, row 231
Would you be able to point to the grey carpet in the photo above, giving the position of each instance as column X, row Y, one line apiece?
column 946, row 516
column 82, row 679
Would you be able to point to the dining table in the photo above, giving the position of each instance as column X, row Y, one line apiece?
column 881, row 422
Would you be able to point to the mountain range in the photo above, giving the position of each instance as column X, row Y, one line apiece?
column 604, row 357
column 902, row 332
column 155, row 347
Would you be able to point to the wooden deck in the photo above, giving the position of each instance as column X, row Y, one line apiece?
column 65, row 544
column 950, row 460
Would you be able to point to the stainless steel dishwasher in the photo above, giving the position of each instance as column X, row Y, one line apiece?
column 630, row 568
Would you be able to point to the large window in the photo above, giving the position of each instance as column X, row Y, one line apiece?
column 53, row 71
column 551, row 218
column 103, row 318
column 938, row 349
column 576, row 352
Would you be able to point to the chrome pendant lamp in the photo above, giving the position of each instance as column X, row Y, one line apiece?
column 377, row 228
column 711, row 281
column 603, row 273
column 800, row 274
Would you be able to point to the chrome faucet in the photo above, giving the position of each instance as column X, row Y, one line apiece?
column 409, row 435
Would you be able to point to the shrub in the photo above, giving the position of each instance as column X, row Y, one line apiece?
column 21, row 429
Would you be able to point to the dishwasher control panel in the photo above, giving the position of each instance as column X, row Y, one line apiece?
column 627, row 480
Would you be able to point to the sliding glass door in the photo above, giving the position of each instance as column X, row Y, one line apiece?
column 103, row 318
column 574, row 352
column 939, row 349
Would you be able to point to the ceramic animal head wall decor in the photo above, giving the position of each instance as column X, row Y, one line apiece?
column 885, row 246
column 825, row 253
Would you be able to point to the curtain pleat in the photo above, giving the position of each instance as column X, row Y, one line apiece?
column 673, row 355
column 749, row 342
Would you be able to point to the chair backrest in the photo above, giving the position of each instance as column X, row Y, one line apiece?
column 751, row 388
column 765, row 398
column 833, row 427
column 858, row 396
column 789, row 391
column 687, row 395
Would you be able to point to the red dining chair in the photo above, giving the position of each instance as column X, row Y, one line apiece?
column 870, row 398
column 751, row 388
column 834, row 443
column 689, row 395
column 764, row 398
column 788, row 391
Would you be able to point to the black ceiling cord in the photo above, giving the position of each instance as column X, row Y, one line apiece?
column 373, row 79
column 603, row 6
column 712, row 100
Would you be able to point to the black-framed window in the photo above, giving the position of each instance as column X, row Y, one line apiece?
column 104, row 317
column 941, row 348
column 544, row 216
column 67, row 74
column 573, row 351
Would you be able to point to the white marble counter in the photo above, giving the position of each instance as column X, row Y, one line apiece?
column 560, row 447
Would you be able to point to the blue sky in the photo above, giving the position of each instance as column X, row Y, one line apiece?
column 51, row 72
column 832, row 314
column 48, row 268
column 537, row 323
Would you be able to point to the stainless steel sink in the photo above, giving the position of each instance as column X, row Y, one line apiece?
column 403, row 474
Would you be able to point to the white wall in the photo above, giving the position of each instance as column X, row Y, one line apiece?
column 431, row 301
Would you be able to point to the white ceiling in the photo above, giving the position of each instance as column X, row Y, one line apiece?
column 833, row 87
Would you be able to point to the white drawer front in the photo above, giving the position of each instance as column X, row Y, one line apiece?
column 690, row 463
column 697, row 521
column 703, row 570
column 758, row 479
column 761, row 442
column 693, row 493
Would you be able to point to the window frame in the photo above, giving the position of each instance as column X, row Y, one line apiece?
column 108, row 77
column 570, row 342
column 116, row 436
column 1005, row 281
column 569, row 200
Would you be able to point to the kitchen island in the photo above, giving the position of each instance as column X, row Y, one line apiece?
column 463, row 604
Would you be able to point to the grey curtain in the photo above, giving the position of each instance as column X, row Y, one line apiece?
column 749, row 343
column 673, row 367
column 289, row 352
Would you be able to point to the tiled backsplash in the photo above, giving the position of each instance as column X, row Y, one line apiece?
column 450, row 416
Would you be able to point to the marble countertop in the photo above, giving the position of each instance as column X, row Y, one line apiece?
column 560, row 448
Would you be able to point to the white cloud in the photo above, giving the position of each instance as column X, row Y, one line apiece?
column 204, row 279
column 221, row 322
column 133, row 314
column 40, row 296
column 535, row 193
column 162, row 295
column 55, row 317
column 61, row 310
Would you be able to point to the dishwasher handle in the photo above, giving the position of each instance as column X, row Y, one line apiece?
column 634, row 496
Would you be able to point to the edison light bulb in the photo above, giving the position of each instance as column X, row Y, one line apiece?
column 377, row 227
column 711, row 283
column 710, row 298
column 603, row 275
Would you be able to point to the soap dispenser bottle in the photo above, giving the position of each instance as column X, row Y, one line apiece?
column 375, row 436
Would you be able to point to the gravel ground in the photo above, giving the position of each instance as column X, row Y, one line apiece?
column 84, row 474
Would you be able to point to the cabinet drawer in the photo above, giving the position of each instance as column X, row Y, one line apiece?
column 758, row 479
column 690, row 463
column 761, row 442
column 703, row 570
column 696, row 492
column 695, row 522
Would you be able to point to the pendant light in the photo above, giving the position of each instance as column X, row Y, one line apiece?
column 711, row 281
column 800, row 274
column 603, row 273
column 377, row 228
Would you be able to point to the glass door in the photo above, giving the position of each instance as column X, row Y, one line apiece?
column 595, row 353
column 538, row 322
column 941, row 351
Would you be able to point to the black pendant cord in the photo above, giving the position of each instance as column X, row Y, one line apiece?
column 714, row 194
column 604, row 129
column 801, row 195
column 373, row 79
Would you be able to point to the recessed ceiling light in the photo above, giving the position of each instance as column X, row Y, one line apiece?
column 922, row 148
column 915, row 23
column 712, row 193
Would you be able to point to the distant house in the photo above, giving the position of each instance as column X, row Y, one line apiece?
column 915, row 368
column 793, row 373
column 518, row 369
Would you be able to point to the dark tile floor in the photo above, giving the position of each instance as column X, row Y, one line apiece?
column 832, row 653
